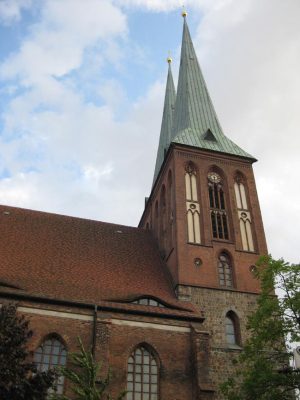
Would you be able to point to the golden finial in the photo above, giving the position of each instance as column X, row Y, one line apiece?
column 169, row 59
column 184, row 12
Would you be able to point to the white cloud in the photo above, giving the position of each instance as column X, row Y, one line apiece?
column 58, row 41
column 250, row 54
column 70, row 155
column 10, row 10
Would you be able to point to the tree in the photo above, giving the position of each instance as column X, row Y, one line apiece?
column 264, row 364
column 19, row 378
column 84, row 378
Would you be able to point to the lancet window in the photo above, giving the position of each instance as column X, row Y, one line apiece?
column 244, row 215
column 192, row 204
column 142, row 375
column 156, row 219
column 51, row 354
column 163, row 217
column 232, row 329
column 217, row 202
column 170, row 222
column 225, row 271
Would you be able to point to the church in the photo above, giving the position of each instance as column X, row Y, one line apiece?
column 164, row 304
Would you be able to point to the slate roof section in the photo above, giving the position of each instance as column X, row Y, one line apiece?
column 167, row 123
column 74, row 259
column 194, row 111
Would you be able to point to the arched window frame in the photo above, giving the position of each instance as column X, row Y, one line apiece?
column 137, row 388
column 148, row 301
column 170, row 211
column 192, row 204
column 244, row 214
column 49, row 356
column 156, row 219
column 218, row 204
column 163, row 218
column 232, row 329
column 225, row 270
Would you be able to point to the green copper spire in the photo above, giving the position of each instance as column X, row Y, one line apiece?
column 167, row 121
column 195, row 120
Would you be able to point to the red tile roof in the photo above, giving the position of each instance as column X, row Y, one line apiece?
column 74, row 259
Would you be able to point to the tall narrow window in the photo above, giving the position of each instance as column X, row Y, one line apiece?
column 163, row 217
column 232, row 329
column 243, row 213
column 51, row 353
column 156, row 219
column 142, row 375
column 170, row 222
column 225, row 271
column 218, row 215
column 192, row 204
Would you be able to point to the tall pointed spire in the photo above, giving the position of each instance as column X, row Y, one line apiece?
column 195, row 120
column 167, row 121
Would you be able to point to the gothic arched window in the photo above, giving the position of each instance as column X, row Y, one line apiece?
column 225, row 271
column 192, row 204
column 142, row 375
column 156, row 219
column 163, row 217
column 170, row 213
column 50, row 354
column 232, row 329
column 243, row 213
column 217, row 203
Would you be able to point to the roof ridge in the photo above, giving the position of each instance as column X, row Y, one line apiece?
column 5, row 208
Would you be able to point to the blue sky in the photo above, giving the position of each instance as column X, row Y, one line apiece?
column 81, row 97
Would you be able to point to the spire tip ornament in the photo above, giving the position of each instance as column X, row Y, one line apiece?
column 169, row 58
column 184, row 12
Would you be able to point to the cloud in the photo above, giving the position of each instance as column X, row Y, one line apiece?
column 170, row 5
column 66, row 146
column 11, row 10
column 58, row 41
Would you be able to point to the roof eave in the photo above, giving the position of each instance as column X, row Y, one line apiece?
column 250, row 159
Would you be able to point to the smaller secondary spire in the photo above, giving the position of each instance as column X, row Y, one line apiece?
column 167, row 121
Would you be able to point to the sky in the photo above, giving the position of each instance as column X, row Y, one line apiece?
column 81, row 97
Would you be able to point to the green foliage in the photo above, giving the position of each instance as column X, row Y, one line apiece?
column 19, row 378
column 84, row 378
column 264, row 371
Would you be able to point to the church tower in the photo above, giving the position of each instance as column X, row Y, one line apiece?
column 204, row 212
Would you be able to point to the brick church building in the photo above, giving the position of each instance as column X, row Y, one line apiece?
column 164, row 304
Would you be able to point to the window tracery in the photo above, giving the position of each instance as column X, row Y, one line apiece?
column 192, row 204
column 225, row 271
column 218, row 214
column 142, row 375
column 51, row 354
column 244, row 215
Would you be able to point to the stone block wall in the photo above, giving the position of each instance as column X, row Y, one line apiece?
column 215, row 304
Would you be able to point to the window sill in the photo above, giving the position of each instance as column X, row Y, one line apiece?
column 198, row 244
column 234, row 347
column 247, row 251
column 222, row 241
